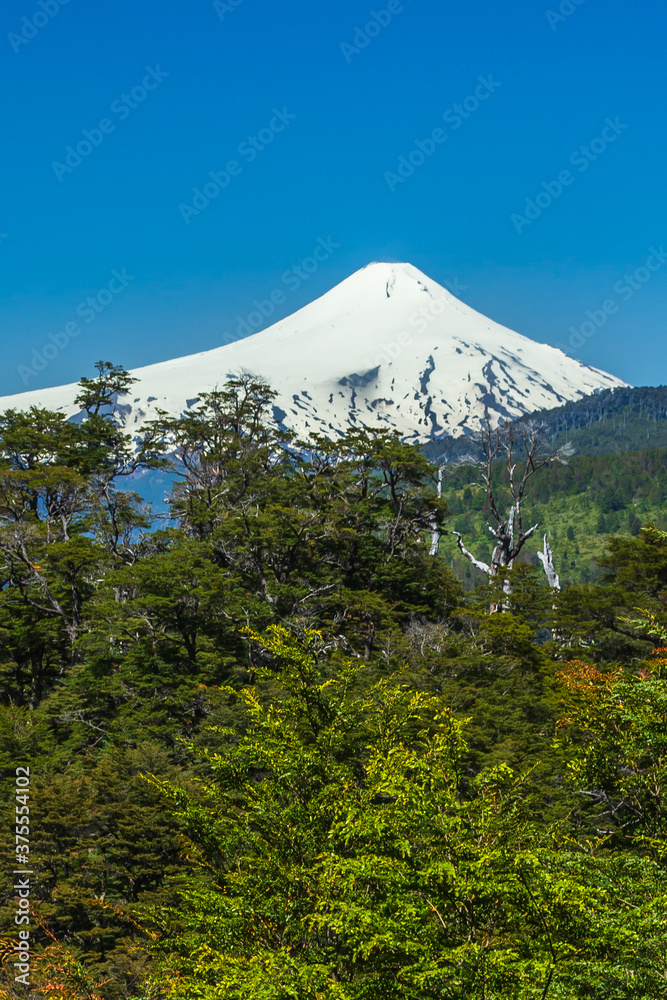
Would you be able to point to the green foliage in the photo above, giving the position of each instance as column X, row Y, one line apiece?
column 384, row 795
column 623, row 760
column 578, row 505
column 339, row 859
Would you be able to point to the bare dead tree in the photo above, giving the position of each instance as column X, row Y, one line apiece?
column 546, row 557
column 436, row 531
column 524, row 455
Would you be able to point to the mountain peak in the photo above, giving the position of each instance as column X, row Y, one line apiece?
column 387, row 347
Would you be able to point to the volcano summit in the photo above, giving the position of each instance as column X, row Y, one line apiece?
column 387, row 347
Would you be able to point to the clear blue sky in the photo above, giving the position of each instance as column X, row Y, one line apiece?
column 325, row 174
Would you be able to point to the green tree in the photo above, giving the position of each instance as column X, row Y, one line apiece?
column 338, row 859
column 63, row 524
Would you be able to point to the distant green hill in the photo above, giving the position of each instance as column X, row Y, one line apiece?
column 578, row 505
column 610, row 422
column 615, row 482
column 613, row 421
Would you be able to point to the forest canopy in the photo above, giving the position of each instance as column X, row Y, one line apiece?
column 281, row 746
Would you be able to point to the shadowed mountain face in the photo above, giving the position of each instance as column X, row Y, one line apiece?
column 387, row 347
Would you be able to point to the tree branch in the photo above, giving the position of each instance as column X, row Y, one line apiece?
column 484, row 567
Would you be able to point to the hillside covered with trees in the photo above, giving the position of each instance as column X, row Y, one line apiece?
column 610, row 422
column 578, row 503
column 286, row 744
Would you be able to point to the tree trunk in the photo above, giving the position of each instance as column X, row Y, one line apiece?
column 546, row 557
column 436, row 533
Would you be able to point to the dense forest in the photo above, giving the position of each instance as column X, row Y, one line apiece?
column 288, row 744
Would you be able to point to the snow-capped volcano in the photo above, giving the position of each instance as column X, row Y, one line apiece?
column 387, row 347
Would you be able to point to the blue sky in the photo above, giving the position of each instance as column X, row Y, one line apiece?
column 333, row 111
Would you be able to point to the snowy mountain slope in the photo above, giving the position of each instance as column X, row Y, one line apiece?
column 387, row 347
